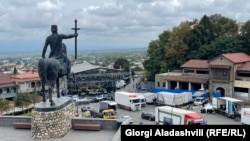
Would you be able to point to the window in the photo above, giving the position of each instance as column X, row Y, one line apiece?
column 8, row 90
column 158, row 84
column 33, row 84
column 220, row 74
column 164, row 84
column 1, row 91
column 202, row 72
column 241, row 74
column 188, row 71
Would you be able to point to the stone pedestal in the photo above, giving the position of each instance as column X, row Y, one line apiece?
column 52, row 122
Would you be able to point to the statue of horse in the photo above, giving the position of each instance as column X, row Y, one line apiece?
column 50, row 70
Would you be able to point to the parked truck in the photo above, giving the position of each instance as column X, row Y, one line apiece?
column 105, row 114
column 142, row 99
column 168, row 115
column 173, row 99
column 150, row 97
column 228, row 106
column 127, row 100
column 107, row 104
column 245, row 116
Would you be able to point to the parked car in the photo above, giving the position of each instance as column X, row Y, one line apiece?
column 75, row 98
column 85, row 108
column 200, row 101
column 99, row 97
column 126, row 117
column 148, row 115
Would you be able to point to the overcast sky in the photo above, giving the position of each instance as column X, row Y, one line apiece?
column 104, row 24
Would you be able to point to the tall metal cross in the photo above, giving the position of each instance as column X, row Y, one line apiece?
column 75, row 28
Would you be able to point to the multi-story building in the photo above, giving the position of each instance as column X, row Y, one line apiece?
column 27, row 82
column 89, row 75
column 228, row 74
column 8, row 87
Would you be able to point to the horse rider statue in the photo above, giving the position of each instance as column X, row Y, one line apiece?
column 58, row 49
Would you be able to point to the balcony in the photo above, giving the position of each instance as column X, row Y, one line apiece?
column 8, row 95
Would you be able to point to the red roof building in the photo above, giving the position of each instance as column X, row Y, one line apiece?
column 7, row 86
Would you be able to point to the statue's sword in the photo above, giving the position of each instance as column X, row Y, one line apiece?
column 75, row 28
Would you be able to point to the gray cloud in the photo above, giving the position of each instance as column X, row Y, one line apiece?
column 108, row 23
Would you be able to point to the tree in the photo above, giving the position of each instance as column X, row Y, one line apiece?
column 202, row 34
column 223, row 44
column 176, row 48
column 4, row 105
column 156, row 56
column 123, row 64
column 23, row 100
column 245, row 36
column 224, row 26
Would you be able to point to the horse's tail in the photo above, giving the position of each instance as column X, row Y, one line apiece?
column 42, row 69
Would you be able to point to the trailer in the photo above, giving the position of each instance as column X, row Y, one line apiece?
column 168, row 115
column 228, row 106
column 106, row 104
column 127, row 100
column 245, row 116
column 150, row 97
column 173, row 99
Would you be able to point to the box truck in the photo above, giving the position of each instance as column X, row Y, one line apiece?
column 173, row 99
column 168, row 115
column 245, row 116
column 228, row 106
column 142, row 99
column 127, row 100
column 107, row 104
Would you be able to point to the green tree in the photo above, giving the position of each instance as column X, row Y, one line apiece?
column 156, row 57
column 202, row 34
column 224, row 26
column 123, row 64
column 223, row 44
column 4, row 105
column 245, row 36
column 176, row 48
column 23, row 100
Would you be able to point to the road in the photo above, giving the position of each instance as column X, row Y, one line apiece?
column 211, row 119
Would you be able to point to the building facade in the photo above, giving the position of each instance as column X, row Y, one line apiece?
column 27, row 82
column 8, row 87
column 227, row 74
column 88, row 76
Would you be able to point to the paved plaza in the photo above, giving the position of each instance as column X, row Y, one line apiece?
column 8, row 133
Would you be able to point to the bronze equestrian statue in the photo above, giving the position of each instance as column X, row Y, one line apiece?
column 56, row 65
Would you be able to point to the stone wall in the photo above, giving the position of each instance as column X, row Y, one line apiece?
column 52, row 124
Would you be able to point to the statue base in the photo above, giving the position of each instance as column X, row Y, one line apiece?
column 52, row 122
